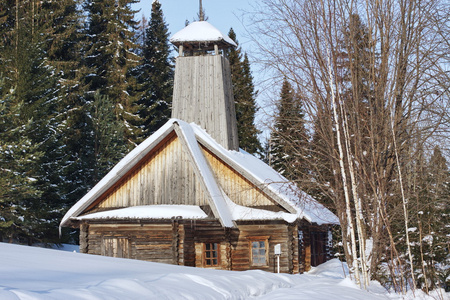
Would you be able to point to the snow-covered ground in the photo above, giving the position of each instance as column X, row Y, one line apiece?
column 37, row 273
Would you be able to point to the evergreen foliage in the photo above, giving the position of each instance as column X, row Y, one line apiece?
column 244, row 98
column 109, row 57
column 289, row 139
column 429, row 230
column 155, row 74
column 64, row 50
column 19, row 158
column 69, row 103
column 107, row 136
column 36, row 87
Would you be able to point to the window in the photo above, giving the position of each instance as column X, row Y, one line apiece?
column 211, row 254
column 116, row 247
column 259, row 255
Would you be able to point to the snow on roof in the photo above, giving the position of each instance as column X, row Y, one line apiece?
column 299, row 204
column 243, row 213
column 213, row 190
column 149, row 212
column 305, row 206
column 118, row 171
column 200, row 31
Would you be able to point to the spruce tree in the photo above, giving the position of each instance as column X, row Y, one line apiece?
column 63, row 47
column 41, row 55
column 155, row 73
column 288, row 138
column 19, row 157
column 107, row 136
column 244, row 98
column 109, row 57
column 37, row 86
column 429, row 232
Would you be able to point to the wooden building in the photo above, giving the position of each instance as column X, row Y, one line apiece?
column 188, row 196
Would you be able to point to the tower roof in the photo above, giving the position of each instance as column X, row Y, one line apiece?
column 201, row 34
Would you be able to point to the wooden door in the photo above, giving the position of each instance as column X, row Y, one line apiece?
column 318, row 248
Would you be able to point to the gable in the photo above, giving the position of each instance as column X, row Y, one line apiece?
column 165, row 176
column 238, row 189
column 181, row 165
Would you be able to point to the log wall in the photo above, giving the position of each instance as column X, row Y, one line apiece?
column 181, row 242
column 278, row 234
column 150, row 242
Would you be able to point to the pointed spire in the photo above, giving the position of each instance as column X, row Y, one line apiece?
column 200, row 14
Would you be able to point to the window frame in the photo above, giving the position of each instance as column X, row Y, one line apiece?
column 116, row 246
column 254, row 239
column 212, row 258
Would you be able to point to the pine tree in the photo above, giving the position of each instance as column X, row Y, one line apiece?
column 37, row 86
column 289, row 139
column 155, row 74
column 6, row 29
column 323, row 169
column 109, row 58
column 244, row 98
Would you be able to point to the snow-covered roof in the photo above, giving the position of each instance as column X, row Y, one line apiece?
column 304, row 205
column 297, row 203
column 119, row 170
column 149, row 212
column 201, row 32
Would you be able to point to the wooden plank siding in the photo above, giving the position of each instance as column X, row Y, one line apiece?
column 237, row 187
column 167, row 177
column 203, row 94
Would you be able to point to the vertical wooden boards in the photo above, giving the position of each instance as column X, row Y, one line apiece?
column 203, row 95
column 237, row 188
column 167, row 177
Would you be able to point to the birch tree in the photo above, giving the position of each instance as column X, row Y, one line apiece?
column 374, row 77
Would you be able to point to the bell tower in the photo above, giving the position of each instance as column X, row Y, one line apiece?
column 202, row 91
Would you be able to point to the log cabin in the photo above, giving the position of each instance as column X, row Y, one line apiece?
column 189, row 196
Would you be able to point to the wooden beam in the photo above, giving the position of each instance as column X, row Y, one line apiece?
column 263, row 186
column 201, row 174
column 124, row 176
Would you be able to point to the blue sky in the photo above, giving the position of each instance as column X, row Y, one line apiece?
column 223, row 14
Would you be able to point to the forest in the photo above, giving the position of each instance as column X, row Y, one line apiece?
column 362, row 124
column 81, row 84
column 361, row 117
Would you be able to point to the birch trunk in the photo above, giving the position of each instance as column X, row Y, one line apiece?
column 350, row 227
column 405, row 210
column 356, row 200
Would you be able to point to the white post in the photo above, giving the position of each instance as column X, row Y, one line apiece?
column 277, row 252
column 278, row 264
